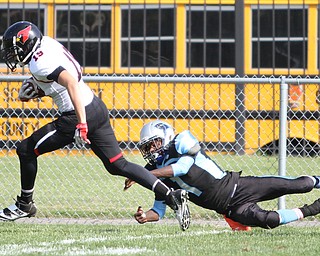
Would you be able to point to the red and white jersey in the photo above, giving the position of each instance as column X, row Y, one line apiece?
column 46, row 59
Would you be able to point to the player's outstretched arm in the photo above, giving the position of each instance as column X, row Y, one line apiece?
column 164, row 172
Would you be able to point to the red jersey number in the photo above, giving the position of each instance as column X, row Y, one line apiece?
column 37, row 55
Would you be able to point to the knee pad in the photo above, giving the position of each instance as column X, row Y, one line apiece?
column 272, row 220
column 307, row 183
column 25, row 151
column 118, row 167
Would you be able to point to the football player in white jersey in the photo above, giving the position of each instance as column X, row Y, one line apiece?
column 84, row 118
column 181, row 163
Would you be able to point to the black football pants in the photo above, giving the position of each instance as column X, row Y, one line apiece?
column 60, row 132
column 243, row 207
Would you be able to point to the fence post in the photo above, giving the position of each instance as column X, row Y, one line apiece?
column 283, row 134
column 239, row 65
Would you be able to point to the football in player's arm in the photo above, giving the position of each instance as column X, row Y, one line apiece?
column 30, row 90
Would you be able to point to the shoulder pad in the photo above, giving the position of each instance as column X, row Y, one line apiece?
column 194, row 150
column 186, row 143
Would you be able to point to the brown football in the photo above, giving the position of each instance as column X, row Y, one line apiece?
column 39, row 92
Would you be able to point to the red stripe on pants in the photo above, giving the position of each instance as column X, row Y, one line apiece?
column 115, row 158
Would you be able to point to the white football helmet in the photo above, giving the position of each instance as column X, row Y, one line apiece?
column 149, row 135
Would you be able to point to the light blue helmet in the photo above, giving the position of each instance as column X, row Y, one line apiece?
column 151, row 132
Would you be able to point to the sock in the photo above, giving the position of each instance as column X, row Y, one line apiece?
column 287, row 216
column 160, row 188
column 317, row 181
column 26, row 196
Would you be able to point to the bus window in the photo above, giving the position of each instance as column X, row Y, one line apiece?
column 86, row 32
column 30, row 12
column 210, row 36
column 282, row 32
column 147, row 38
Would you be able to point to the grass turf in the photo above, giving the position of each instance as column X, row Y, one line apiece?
column 154, row 239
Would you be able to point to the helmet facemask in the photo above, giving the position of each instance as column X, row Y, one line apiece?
column 152, row 149
column 155, row 138
column 15, row 55
column 11, row 55
column 19, row 43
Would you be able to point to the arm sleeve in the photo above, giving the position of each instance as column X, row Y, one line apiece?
column 159, row 207
column 187, row 146
column 55, row 74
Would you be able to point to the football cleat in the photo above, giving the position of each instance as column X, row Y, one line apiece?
column 311, row 209
column 177, row 201
column 236, row 226
column 18, row 210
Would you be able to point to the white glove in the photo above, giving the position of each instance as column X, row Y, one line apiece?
column 28, row 90
column 80, row 135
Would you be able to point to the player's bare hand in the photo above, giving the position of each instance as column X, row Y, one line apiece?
column 140, row 216
column 128, row 183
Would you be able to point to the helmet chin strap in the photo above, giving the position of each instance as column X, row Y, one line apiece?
column 160, row 159
column 156, row 155
column 16, row 53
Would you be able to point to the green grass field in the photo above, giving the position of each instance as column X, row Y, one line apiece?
column 78, row 187
column 154, row 239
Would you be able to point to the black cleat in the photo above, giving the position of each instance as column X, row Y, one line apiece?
column 177, row 201
column 18, row 210
column 312, row 209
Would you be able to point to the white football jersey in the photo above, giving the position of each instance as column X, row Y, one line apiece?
column 47, row 58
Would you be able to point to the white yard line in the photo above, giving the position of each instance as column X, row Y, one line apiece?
column 130, row 238
column 54, row 248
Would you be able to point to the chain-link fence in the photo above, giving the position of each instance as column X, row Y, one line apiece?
column 260, row 125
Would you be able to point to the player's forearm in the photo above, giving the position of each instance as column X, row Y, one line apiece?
column 77, row 103
column 66, row 80
column 151, row 216
column 164, row 172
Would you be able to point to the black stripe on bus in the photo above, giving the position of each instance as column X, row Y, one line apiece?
column 169, row 114
column 211, row 146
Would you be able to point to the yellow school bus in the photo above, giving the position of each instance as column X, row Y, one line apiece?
column 184, row 38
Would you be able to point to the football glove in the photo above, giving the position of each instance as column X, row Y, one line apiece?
column 80, row 135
